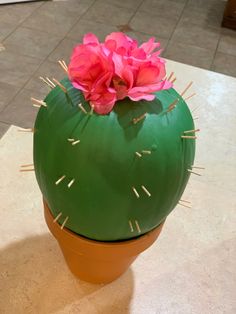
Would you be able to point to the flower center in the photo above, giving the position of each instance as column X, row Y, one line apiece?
column 120, row 86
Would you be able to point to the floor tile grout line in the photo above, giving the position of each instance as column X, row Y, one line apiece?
column 120, row 7
column 213, row 59
column 20, row 88
column 225, row 53
column 130, row 19
column 38, row 30
column 77, row 21
column 43, row 60
column 49, row 33
column 139, row 31
column 3, row 122
column 19, row 25
column 176, row 25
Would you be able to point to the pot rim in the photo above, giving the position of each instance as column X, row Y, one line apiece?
column 76, row 242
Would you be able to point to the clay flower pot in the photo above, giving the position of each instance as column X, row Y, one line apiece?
column 97, row 261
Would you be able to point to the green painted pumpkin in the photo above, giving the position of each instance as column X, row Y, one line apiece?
column 116, row 179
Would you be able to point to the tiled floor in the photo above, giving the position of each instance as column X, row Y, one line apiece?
column 33, row 36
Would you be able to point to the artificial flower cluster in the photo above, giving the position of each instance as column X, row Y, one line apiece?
column 118, row 68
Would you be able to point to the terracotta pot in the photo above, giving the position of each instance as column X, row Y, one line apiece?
column 96, row 261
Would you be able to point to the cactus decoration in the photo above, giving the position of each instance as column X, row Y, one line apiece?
column 114, row 142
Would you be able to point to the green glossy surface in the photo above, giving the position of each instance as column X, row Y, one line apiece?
column 101, row 202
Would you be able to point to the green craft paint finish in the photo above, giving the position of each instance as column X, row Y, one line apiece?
column 94, row 159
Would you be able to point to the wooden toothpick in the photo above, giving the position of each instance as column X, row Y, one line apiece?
column 185, row 201
column 198, row 174
column 148, row 152
column 136, row 120
column 194, row 109
column 58, row 216
column 138, row 154
column 75, row 142
column 82, row 108
column 169, row 109
column 26, row 130
column 38, row 102
column 49, row 81
column 189, row 137
column 170, row 76
column 46, row 82
column 187, row 98
column 27, row 165
column 172, row 105
column 137, row 226
column 146, row 191
column 192, row 131
column 70, row 183
column 131, row 226
column 184, row 205
column 62, row 87
column 197, row 167
column 173, row 80
column 64, row 222
column 64, row 67
column 26, row 170
column 60, row 179
column 186, row 88
column 135, row 192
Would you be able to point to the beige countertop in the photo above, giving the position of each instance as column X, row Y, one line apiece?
column 190, row 269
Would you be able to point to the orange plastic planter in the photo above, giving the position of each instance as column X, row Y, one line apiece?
column 96, row 261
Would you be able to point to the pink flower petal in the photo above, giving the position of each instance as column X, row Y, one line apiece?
column 150, row 45
column 104, row 104
column 147, row 75
column 78, row 86
column 124, row 44
column 110, row 44
column 109, row 71
column 90, row 39
column 140, row 96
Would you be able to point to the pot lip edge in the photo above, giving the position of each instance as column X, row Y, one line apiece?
column 147, row 237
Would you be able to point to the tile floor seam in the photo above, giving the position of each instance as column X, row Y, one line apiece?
column 22, row 87
column 4, row 122
column 194, row 47
column 42, row 61
column 176, row 25
column 49, row 33
column 65, row 36
column 19, row 25
column 217, row 46
column 37, row 30
column 18, row 89
column 225, row 53
column 211, row 67
column 24, row 55
column 122, row 7
column 153, row 15
column 130, row 19
column 185, row 6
